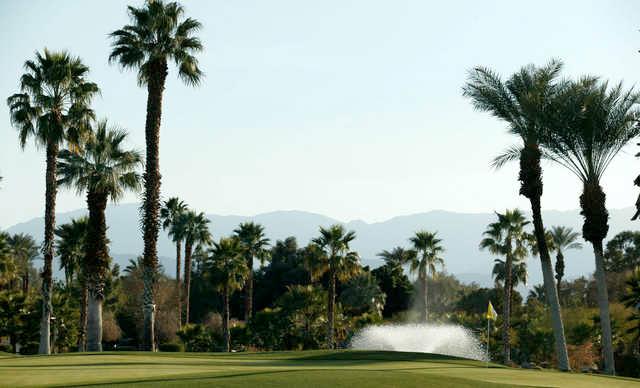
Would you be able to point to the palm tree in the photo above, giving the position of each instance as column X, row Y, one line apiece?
column 591, row 122
column 520, row 102
column 25, row 250
column 252, row 238
column 196, row 232
column 336, row 259
column 427, row 257
column 102, row 169
column 398, row 256
column 506, row 237
column 71, row 250
column 563, row 238
column 172, row 219
column 519, row 273
column 52, row 107
column 7, row 263
column 158, row 33
column 230, row 271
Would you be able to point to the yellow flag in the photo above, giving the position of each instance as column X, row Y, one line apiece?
column 491, row 313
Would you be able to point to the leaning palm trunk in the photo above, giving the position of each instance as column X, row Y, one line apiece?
column 188, row 251
column 248, row 305
column 225, row 319
column 531, row 187
column 594, row 230
column 155, row 88
column 47, row 248
column 178, row 287
column 331, row 315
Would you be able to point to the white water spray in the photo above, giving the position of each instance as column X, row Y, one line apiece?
column 450, row 340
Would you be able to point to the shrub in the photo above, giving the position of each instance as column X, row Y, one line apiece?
column 29, row 348
column 6, row 348
column 171, row 347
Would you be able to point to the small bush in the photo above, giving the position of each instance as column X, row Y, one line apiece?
column 29, row 348
column 171, row 347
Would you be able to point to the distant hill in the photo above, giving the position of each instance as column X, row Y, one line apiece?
column 460, row 232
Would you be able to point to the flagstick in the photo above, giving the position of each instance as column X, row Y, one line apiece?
column 488, row 335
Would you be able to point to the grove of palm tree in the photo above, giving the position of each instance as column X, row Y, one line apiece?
column 246, row 287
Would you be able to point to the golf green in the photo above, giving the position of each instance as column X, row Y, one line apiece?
column 281, row 369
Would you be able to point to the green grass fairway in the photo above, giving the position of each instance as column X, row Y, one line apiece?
column 281, row 369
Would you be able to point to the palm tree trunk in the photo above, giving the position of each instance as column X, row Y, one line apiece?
column 188, row 250
column 97, row 264
column 25, row 281
column 425, row 307
column 559, row 270
column 331, row 315
column 178, row 285
column 47, row 247
column 155, row 88
column 248, row 304
column 594, row 230
column 225, row 319
column 531, row 187
column 506, row 310
column 603, row 304
column 84, row 306
column 94, row 322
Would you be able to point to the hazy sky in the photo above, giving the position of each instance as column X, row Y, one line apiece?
column 352, row 109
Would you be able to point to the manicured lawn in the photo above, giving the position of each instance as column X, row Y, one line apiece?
column 281, row 369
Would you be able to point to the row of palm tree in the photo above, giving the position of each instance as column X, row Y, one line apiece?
column 53, row 106
column 581, row 125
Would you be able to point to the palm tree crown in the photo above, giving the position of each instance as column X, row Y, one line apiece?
column 159, row 33
column 71, row 240
column 428, row 250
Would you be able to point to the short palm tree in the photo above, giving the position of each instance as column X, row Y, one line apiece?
column 53, row 107
column 398, row 256
column 428, row 250
column 102, row 170
column 8, row 266
column 229, row 271
column 71, row 250
column 520, row 102
column 196, row 232
column 563, row 238
column 25, row 250
column 519, row 273
column 507, row 237
column 172, row 218
column 252, row 238
column 591, row 122
column 158, row 33
column 334, row 257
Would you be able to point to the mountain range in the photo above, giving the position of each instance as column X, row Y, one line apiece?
column 460, row 232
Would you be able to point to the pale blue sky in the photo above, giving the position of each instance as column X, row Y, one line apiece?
column 347, row 108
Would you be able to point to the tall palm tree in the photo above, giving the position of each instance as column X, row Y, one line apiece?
column 563, row 238
column 339, row 261
column 252, row 238
column 158, row 33
column 428, row 250
column 230, row 271
column 591, row 122
column 25, row 250
column 52, row 107
column 102, row 170
column 172, row 218
column 71, row 249
column 506, row 237
column 397, row 256
column 196, row 232
column 520, row 102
